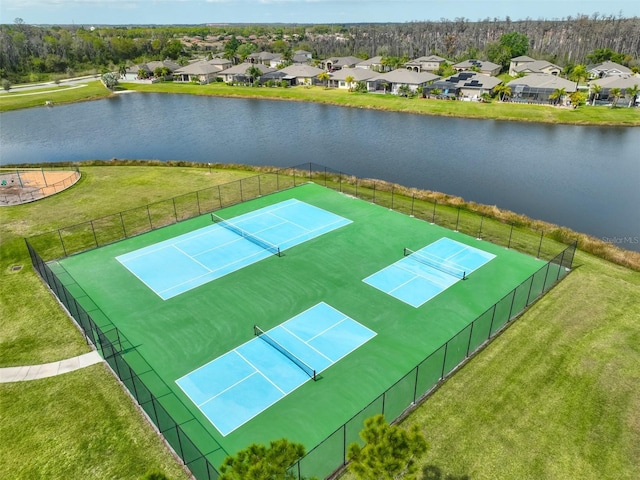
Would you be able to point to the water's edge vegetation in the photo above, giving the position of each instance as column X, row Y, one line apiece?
column 586, row 243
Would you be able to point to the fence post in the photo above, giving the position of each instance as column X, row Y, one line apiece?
column 62, row 242
column 415, row 385
column 540, row 245
column 470, row 335
column 124, row 229
column 198, row 202
column 175, row 210
column 444, row 360
column 413, row 201
column 374, row 192
column 480, row 231
column 149, row 217
column 510, row 234
column 457, row 219
column 93, row 230
column 433, row 218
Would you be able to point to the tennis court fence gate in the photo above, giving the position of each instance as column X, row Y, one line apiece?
column 395, row 403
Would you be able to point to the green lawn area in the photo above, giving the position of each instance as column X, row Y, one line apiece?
column 585, row 115
column 555, row 396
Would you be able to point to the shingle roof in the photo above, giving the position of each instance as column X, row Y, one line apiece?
column 468, row 80
column 544, row 80
column 306, row 71
column 535, row 66
column 405, row 76
column 358, row 74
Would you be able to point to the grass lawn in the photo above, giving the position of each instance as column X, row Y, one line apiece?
column 585, row 115
column 555, row 396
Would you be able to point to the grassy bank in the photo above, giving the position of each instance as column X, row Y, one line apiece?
column 586, row 115
column 55, row 94
column 554, row 396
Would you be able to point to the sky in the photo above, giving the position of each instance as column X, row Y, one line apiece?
column 123, row 12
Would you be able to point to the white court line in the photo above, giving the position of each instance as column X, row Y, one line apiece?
column 260, row 372
column 256, row 372
column 309, row 346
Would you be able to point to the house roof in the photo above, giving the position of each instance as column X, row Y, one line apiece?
column 468, row 80
column 427, row 58
column 343, row 61
column 262, row 56
column 609, row 67
column 202, row 67
column 371, row 61
column 544, row 80
column 481, row 64
column 523, row 58
column 408, row 77
column 535, row 66
column 242, row 68
column 617, row 81
column 305, row 71
column 164, row 63
column 358, row 74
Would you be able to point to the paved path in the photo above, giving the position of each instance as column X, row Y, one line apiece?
column 34, row 372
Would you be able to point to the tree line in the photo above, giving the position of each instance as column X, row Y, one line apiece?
column 35, row 53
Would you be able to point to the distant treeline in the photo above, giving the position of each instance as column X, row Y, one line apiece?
column 31, row 53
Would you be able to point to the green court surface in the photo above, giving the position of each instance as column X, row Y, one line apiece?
column 167, row 339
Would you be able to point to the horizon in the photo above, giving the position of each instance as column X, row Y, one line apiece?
column 299, row 12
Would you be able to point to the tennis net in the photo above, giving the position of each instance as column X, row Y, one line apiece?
column 258, row 332
column 438, row 263
column 244, row 234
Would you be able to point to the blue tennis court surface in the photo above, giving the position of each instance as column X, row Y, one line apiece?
column 177, row 265
column 415, row 282
column 237, row 386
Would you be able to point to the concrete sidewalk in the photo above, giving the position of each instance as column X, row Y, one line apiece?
column 34, row 372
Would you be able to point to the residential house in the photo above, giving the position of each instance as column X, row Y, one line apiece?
column 336, row 63
column 518, row 62
column 538, row 87
column 301, row 74
column 263, row 58
column 339, row 79
column 392, row 81
column 429, row 63
column 483, row 67
column 374, row 64
column 135, row 73
column 302, row 56
column 607, row 69
column 622, row 82
column 535, row 66
column 203, row 71
column 239, row 73
column 469, row 86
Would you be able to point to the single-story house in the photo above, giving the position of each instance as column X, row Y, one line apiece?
column 302, row 56
column 339, row 79
column 375, row 64
column 607, row 69
column 238, row 73
column 204, row 71
column 536, row 66
column 623, row 82
column 537, row 87
column 336, row 63
column 301, row 74
column 468, row 86
column 485, row 68
column 392, row 81
column 263, row 58
column 429, row 63
column 134, row 73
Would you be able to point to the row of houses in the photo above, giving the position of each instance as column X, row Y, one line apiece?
column 536, row 79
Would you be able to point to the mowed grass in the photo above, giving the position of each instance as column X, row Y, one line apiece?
column 57, row 94
column 555, row 396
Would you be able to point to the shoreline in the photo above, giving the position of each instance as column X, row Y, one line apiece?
column 584, row 116
column 586, row 243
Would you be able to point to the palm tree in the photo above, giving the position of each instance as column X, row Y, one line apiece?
column 632, row 92
column 324, row 77
column 349, row 79
column 595, row 91
column 503, row 91
column 557, row 95
column 404, row 90
column 615, row 94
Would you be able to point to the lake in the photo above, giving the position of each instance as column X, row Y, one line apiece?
column 584, row 178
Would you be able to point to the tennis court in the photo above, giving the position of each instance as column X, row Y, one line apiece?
column 423, row 274
column 359, row 339
column 240, row 384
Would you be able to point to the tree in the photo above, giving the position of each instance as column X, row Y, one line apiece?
column 578, row 73
column 324, row 78
column 503, row 91
column 6, row 85
column 254, row 73
column 517, row 43
column 576, row 98
column 614, row 94
column 349, row 80
column 390, row 452
column 110, row 80
column 632, row 92
column 557, row 95
column 500, row 54
column 257, row 462
column 595, row 92
column 404, row 90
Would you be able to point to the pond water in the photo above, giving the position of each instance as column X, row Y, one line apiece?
column 584, row 178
